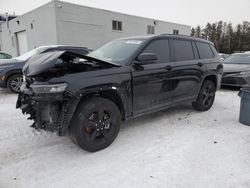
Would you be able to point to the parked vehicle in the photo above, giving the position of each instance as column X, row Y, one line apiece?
column 223, row 56
column 89, row 95
column 237, row 70
column 11, row 69
column 4, row 55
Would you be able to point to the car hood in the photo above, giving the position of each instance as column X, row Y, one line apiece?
column 233, row 68
column 46, row 61
column 4, row 62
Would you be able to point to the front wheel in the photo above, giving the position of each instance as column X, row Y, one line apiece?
column 14, row 83
column 206, row 96
column 95, row 124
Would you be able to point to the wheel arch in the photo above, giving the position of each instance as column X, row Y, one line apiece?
column 212, row 78
column 110, row 93
column 11, row 73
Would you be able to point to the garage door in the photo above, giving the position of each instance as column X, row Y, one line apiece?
column 22, row 42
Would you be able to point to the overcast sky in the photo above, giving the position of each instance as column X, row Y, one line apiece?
column 190, row 12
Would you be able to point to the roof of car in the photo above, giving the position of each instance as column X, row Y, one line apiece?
column 61, row 46
column 146, row 37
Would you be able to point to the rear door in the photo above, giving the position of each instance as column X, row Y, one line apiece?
column 209, row 58
column 187, row 72
column 152, row 85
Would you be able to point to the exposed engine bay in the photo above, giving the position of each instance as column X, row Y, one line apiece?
column 56, row 64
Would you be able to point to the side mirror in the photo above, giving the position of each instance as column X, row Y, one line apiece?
column 146, row 58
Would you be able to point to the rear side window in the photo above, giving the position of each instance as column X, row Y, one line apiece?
column 183, row 50
column 4, row 56
column 160, row 48
column 204, row 50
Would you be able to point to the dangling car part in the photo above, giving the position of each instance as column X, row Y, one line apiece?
column 11, row 69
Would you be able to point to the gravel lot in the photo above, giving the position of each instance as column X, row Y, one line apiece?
column 178, row 147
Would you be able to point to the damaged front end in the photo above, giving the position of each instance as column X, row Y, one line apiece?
column 50, row 104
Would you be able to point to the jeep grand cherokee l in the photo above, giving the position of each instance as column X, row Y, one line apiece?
column 88, row 96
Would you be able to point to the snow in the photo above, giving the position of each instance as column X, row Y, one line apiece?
column 178, row 147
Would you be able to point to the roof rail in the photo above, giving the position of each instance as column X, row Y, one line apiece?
column 175, row 35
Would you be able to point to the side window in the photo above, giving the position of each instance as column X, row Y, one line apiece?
column 183, row 50
column 116, row 25
column 8, row 56
column 176, row 32
column 204, row 50
column 160, row 48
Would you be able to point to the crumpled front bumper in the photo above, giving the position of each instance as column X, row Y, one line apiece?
column 50, row 112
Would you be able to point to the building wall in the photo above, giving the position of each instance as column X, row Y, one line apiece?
column 1, row 36
column 86, row 26
column 59, row 22
column 43, row 32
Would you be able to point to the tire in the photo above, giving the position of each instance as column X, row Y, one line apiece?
column 206, row 96
column 95, row 124
column 14, row 83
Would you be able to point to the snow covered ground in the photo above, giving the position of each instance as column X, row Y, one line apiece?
column 178, row 147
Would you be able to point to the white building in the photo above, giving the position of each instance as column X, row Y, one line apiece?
column 60, row 22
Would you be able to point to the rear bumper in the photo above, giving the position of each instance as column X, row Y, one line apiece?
column 236, row 80
column 50, row 112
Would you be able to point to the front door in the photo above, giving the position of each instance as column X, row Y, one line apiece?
column 152, row 85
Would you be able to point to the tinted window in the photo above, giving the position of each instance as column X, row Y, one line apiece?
column 161, row 49
column 4, row 56
column 204, row 50
column 214, row 50
column 183, row 50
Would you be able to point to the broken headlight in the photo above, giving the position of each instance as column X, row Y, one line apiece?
column 53, row 88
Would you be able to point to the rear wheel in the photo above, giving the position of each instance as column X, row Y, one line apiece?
column 206, row 96
column 14, row 83
column 95, row 124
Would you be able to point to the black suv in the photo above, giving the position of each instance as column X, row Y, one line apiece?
column 11, row 69
column 89, row 95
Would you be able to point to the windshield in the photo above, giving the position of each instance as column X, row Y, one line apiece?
column 31, row 53
column 117, row 51
column 238, row 59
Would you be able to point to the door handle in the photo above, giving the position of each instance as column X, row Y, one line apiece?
column 200, row 64
column 168, row 67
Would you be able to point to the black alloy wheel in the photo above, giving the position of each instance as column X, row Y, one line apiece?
column 95, row 124
column 206, row 96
